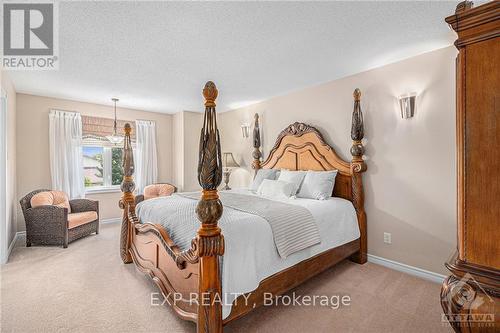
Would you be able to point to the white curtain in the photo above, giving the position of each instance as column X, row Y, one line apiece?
column 146, row 171
column 66, row 156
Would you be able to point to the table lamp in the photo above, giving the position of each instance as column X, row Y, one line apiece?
column 228, row 164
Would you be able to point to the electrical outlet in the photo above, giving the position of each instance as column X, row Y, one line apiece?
column 387, row 238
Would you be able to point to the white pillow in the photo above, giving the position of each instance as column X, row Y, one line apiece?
column 318, row 185
column 294, row 177
column 261, row 175
column 276, row 189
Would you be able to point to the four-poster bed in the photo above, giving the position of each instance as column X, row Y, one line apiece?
column 196, row 270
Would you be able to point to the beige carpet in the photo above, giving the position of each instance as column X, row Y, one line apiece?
column 86, row 288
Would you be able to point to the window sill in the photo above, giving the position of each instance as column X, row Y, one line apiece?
column 114, row 189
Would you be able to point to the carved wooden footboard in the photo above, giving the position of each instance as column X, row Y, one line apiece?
column 152, row 250
column 190, row 280
column 180, row 275
column 175, row 273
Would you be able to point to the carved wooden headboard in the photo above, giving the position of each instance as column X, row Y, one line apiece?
column 302, row 147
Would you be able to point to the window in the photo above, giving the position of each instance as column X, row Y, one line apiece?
column 102, row 161
column 102, row 167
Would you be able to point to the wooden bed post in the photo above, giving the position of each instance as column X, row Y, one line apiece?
column 209, row 240
column 256, row 145
column 358, row 166
column 127, row 201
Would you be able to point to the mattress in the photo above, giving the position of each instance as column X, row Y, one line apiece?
column 250, row 252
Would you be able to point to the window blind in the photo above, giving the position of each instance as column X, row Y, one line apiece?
column 95, row 129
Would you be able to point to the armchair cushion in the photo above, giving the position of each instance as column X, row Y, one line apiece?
column 77, row 219
column 158, row 190
column 51, row 198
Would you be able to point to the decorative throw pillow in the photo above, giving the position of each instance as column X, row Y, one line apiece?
column 276, row 189
column 294, row 177
column 318, row 185
column 261, row 175
column 51, row 198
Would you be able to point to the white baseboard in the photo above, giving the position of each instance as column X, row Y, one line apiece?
column 415, row 271
column 17, row 236
column 22, row 233
column 113, row 220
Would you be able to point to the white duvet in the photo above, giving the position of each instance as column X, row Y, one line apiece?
column 250, row 252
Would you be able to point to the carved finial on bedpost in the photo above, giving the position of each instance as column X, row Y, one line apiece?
column 256, row 144
column 209, row 242
column 357, row 132
column 358, row 166
column 127, row 201
column 463, row 6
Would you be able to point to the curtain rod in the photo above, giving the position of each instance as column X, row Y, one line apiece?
column 70, row 111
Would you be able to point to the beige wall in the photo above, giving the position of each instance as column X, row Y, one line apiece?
column 33, row 149
column 12, row 202
column 410, row 182
column 186, row 133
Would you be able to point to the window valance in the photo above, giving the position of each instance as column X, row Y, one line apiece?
column 95, row 129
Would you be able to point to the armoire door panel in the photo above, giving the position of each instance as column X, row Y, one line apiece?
column 482, row 154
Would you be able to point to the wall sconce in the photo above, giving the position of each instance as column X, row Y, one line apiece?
column 407, row 105
column 245, row 130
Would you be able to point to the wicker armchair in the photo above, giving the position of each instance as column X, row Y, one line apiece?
column 156, row 190
column 54, row 225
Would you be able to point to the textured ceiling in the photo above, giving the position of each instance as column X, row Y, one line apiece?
column 156, row 56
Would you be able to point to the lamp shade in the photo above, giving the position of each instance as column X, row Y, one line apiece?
column 228, row 161
column 115, row 139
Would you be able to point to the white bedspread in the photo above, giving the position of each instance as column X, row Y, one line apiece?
column 250, row 252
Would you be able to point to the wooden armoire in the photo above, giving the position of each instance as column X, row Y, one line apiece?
column 470, row 296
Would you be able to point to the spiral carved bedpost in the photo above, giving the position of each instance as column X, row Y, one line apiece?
column 358, row 166
column 256, row 145
column 209, row 240
column 127, row 202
